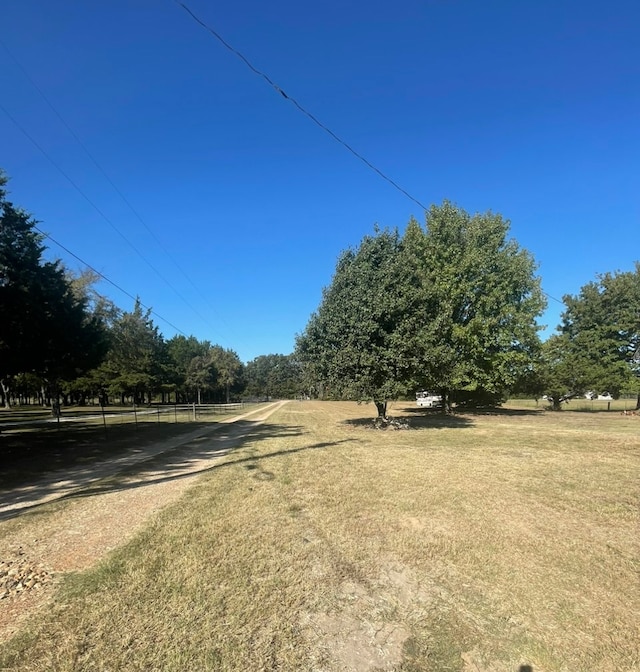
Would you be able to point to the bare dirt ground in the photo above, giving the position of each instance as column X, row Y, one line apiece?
column 69, row 521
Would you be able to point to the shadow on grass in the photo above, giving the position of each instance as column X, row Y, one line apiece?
column 420, row 419
column 433, row 418
column 461, row 411
column 498, row 411
column 185, row 460
column 29, row 453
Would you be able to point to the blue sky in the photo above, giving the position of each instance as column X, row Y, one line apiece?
column 240, row 205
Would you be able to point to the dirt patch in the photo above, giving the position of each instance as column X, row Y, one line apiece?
column 366, row 633
column 356, row 645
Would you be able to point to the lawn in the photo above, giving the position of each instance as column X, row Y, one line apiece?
column 478, row 542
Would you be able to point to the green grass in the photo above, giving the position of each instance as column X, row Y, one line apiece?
column 483, row 541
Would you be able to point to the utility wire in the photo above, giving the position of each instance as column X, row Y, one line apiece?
column 255, row 70
column 111, row 282
column 552, row 297
column 302, row 109
column 106, row 176
column 97, row 209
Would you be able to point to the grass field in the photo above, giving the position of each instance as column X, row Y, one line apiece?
column 477, row 542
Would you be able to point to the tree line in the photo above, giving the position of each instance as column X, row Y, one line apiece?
column 453, row 307
column 61, row 341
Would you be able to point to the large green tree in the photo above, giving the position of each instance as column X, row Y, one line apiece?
column 599, row 339
column 135, row 364
column 349, row 341
column 202, row 374
column 229, row 370
column 46, row 327
column 451, row 308
column 478, row 333
column 183, row 350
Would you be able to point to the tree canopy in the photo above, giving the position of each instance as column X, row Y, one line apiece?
column 480, row 300
column 598, row 345
column 451, row 307
column 348, row 342
column 46, row 326
column 58, row 335
column 273, row 376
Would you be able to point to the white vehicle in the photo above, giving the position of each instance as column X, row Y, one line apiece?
column 428, row 400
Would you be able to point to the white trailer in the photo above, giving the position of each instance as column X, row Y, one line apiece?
column 428, row 399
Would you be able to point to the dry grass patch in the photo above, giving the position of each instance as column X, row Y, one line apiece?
column 484, row 542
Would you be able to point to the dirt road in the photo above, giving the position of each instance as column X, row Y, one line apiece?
column 69, row 521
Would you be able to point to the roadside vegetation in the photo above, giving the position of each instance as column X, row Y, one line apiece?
column 474, row 541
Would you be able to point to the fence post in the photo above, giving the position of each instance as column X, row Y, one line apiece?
column 175, row 412
column 194, row 411
column 104, row 420
column 135, row 414
column 158, row 407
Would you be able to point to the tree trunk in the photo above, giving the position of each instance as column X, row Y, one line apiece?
column 556, row 404
column 382, row 409
column 446, row 401
column 638, row 402
column 7, row 399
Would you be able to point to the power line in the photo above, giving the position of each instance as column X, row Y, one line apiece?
column 302, row 109
column 552, row 297
column 97, row 209
column 109, row 180
column 111, row 282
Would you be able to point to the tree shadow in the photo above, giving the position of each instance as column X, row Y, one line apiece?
column 29, row 453
column 500, row 412
column 471, row 411
column 188, row 459
column 424, row 419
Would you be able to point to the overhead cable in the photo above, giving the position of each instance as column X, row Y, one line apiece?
column 109, row 180
column 97, row 209
column 302, row 109
column 111, row 282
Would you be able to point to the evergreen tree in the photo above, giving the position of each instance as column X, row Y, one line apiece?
column 46, row 327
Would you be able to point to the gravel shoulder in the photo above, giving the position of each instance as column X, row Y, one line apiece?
column 67, row 522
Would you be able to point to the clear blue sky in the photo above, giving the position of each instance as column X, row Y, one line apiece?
column 530, row 109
